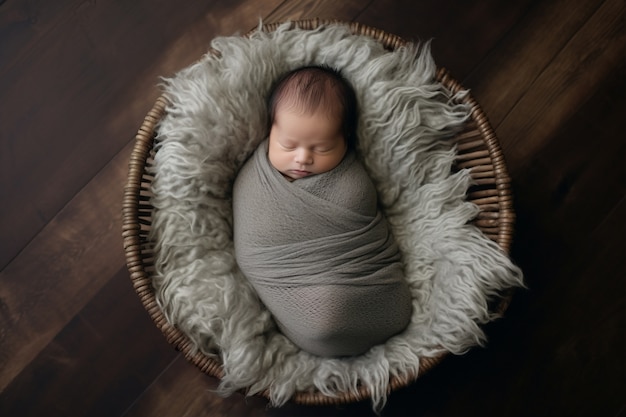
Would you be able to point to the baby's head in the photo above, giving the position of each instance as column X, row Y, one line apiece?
column 312, row 117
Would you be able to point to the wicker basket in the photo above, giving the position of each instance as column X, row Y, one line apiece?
column 477, row 146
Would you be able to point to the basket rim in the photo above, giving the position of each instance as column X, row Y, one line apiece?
column 136, row 212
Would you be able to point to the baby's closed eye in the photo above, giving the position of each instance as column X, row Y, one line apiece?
column 287, row 145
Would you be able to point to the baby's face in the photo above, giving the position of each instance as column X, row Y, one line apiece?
column 301, row 145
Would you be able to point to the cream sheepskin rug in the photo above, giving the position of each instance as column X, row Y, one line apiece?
column 217, row 118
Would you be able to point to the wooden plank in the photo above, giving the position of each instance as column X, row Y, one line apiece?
column 462, row 32
column 578, row 175
column 23, row 24
column 102, row 68
column 594, row 343
column 80, row 52
column 182, row 390
column 518, row 59
column 83, row 240
column 62, row 269
column 98, row 364
column 562, row 197
column 575, row 328
column 564, row 85
column 323, row 9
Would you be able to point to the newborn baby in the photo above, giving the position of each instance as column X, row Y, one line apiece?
column 308, row 232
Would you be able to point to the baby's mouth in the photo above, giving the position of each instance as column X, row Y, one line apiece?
column 300, row 172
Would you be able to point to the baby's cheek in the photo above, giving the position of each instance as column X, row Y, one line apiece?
column 333, row 161
column 277, row 159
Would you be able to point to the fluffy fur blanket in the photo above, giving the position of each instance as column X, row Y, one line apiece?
column 320, row 255
column 217, row 118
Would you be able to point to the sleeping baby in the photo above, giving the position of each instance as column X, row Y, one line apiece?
column 308, row 232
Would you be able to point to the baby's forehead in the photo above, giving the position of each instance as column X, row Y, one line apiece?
column 301, row 108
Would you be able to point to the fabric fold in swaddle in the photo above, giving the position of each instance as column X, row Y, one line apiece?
column 320, row 255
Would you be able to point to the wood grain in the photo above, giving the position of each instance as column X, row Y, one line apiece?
column 323, row 9
column 523, row 53
column 59, row 272
column 181, row 383
column 82, row 370
column 87, row 73
column 462, row 33
column 558, row 92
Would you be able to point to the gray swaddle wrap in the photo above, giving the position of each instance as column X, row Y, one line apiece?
column 320, row 255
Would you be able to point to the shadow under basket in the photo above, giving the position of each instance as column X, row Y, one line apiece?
column 477, row 148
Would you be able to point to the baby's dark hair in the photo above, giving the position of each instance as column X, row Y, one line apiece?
column 308, row 89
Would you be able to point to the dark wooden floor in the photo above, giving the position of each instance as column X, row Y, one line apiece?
column 77, row 77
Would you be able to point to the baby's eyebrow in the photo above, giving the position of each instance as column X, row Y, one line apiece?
column 324, row 142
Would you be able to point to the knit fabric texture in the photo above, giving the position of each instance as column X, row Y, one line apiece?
column 320, row 255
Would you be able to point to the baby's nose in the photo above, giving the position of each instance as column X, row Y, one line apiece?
column 304, row 156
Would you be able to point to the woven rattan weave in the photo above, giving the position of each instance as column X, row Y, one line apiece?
column 478, row 149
